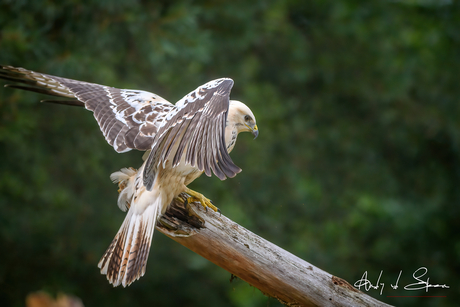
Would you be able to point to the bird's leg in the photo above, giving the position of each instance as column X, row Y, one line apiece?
column 205, row 202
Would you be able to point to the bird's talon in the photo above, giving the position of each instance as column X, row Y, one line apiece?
column 205, row 202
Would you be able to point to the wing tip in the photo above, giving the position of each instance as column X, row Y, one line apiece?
column 226, row 84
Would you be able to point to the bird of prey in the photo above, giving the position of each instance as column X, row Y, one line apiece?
column 181, row 142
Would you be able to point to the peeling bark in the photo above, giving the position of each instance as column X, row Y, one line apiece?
column 274, row 271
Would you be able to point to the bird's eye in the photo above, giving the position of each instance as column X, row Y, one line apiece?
column 247, row 118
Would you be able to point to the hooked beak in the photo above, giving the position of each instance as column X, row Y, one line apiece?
column 255, row 132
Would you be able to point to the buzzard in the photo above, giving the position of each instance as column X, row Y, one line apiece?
column 181, row 142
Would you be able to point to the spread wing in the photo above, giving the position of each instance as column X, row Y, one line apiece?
column 196, row 129
column 129, row 119
column 133, row 119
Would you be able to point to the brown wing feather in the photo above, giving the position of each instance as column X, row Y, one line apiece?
column 117, row 111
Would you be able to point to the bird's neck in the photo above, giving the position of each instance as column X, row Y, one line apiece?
column 231, row 133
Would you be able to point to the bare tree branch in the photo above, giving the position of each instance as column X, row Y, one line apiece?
column 274, row 271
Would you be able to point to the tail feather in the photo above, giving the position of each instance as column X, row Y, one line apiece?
column 137, row 258
column 111, row 261
column 126, row 258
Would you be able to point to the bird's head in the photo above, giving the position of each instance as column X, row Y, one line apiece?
column 243, row 119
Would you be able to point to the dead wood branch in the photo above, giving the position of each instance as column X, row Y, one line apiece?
column 271, row 269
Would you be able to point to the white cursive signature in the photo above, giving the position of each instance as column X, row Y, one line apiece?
column 367, row 284
column 421, row 284
column 417, row 275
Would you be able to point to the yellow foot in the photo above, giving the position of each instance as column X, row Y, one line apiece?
column 205, row 202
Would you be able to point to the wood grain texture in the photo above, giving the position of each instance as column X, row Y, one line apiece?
column 262, row 264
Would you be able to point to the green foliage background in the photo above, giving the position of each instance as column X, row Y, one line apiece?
column 356, row 167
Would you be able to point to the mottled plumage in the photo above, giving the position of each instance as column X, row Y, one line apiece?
column 182, row 141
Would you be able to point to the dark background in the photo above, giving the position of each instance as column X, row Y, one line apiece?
column 357, row 166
